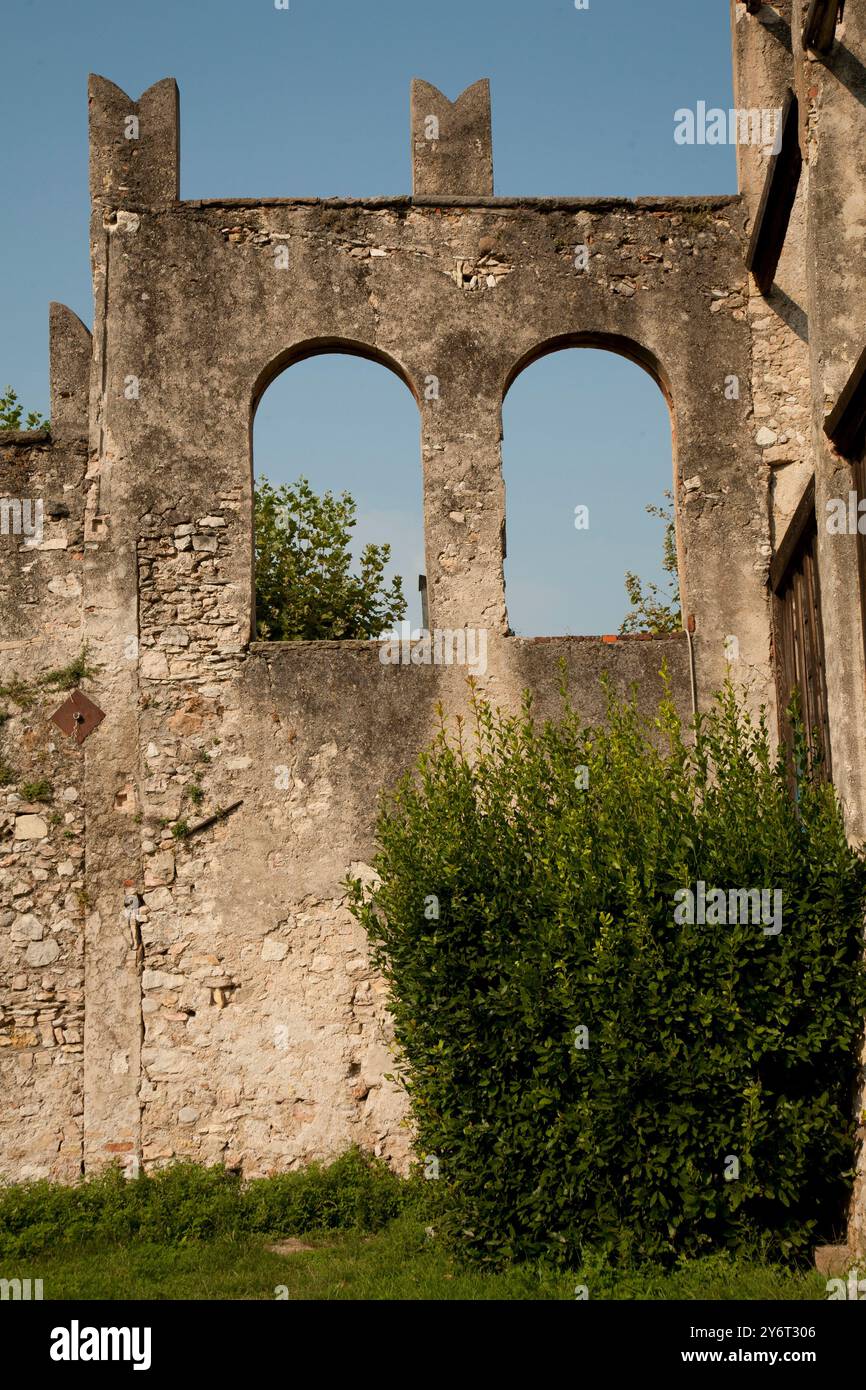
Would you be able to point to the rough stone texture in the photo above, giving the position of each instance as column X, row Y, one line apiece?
column 42, row 847
column 452, row 142
column 834, row 1261
column 232, row 1014
column 134, row 148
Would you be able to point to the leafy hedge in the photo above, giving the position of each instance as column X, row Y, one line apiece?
column 187, row 1202
column 528, row 880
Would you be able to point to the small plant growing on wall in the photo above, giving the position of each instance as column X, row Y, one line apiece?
column 40, row 790
column 656, row 610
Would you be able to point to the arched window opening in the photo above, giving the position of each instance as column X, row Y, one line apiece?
column 339, row 532
column 587, row 449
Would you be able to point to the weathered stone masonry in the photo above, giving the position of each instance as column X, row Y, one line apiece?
column 221, row 988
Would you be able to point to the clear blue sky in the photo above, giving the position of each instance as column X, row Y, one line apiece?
column 314, row 100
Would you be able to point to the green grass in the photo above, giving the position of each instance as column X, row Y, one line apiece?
column 399, row 1263
column 355, row 1230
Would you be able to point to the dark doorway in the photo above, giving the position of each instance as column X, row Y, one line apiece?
column 799, row 635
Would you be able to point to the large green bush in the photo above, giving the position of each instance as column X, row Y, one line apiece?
column 528, row 881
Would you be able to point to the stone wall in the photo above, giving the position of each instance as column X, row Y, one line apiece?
column 808, row 333
column 42, row 844
column 231, row 1011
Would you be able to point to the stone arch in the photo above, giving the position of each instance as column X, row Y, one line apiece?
column 278, row 366
column 616, row 343
column 619, row 345
column 319, row 347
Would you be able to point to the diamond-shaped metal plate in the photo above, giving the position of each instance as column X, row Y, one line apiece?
column 78, row 716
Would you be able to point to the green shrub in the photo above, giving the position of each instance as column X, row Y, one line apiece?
column 527, row 891
column 353, row 1193
column 186, row 1202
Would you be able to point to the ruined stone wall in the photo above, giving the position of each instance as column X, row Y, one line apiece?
column 832, row 93
column 231, row 1011
column 808, row 329
column 808, row 332
column 42, row 841
column 781, row 382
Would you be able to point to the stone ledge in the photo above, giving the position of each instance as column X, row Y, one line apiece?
column 25, row 437
column 674, row 203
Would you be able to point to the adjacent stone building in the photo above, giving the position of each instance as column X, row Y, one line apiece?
column 209, row 995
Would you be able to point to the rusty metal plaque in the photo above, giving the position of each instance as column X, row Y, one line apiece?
column 78, row 716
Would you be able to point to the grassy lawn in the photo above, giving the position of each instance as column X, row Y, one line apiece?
column 398, row 1263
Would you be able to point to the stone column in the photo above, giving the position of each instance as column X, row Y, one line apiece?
column 133, row 167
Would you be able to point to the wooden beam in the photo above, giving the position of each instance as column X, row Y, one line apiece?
column 846, row 423
column 819, row 30
column 796, row 529
column 777, row 200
